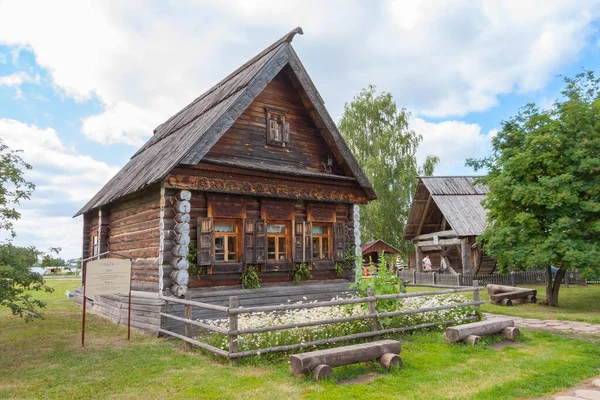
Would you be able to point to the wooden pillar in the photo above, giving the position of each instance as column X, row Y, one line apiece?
column 418, row 257
column 465, row 252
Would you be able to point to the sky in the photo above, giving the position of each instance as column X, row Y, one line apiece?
column 83, row 84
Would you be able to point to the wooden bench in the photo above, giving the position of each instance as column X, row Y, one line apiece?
column 472, row 333
column 321, row 362
column 506, row 295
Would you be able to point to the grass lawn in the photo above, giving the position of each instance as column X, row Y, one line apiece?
column 577, row 303
column 43, row 359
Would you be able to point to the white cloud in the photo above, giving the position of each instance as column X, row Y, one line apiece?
column 78, row 176
column 64, row 181
column 144, row 62
column 17, row 79
column 453, row 142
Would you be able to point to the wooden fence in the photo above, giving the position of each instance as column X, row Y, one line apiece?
column 234, row 310
column 530, row 277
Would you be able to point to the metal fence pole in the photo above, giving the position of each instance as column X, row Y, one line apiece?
column 234, row 302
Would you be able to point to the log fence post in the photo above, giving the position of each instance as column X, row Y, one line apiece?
column 476, row 292
column 458, row 283
column 414, row 273
column 372, row 308
column 187, row 313
column 512, row 279
column 433, row 277
column 234, row 302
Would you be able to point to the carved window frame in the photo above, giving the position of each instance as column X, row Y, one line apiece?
column 225, row 235
column 277, row 129
column 319, row 238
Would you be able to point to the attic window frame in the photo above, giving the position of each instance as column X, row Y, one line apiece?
column 278, row 115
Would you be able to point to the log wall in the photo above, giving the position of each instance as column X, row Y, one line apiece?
column 134, row 231
column 246, row 139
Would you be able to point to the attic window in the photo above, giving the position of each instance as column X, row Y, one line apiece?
column 278, row 131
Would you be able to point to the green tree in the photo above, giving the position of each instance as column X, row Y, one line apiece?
column 544, row 179
column 48, row 260
column 17, row 281
column 16, row 278
column 13, row 186
column 377, row 132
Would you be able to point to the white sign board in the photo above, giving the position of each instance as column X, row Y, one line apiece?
column 436, row 239
column 107, row 276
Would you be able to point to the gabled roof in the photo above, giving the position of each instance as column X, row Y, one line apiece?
column 457, row 199
column 186, row 137
column 389, row 248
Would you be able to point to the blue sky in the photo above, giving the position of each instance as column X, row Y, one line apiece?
column 80, row 91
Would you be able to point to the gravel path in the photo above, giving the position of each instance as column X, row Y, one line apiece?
column 551, row 325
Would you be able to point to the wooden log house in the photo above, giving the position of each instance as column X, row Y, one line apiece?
column 253, row 173
column 445, row 218
column 371, row 252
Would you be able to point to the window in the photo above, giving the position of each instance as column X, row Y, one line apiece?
column 226, row 241
column 320, row 242
column 95, row 247
column 278, row 131
column 276, row 242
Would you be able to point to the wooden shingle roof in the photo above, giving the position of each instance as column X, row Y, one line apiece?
column 188, row 135
column 458, row 200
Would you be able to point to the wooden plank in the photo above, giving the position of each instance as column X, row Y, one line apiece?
column 424, row 215
column 441, row 234
column 441, row 242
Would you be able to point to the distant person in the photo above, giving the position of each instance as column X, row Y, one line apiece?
column 426, row 264
column 443, row 264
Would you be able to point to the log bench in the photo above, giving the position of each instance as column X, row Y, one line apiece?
column 507, row 295
column 321, row 362
column 472, row 333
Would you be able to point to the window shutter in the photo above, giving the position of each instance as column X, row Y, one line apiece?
column 273, row 130
column 249, row 241
column 205, row 241
column 308, row 243
column 298, row 242
column 260, row 241
column 339, row 241
column 286, row 132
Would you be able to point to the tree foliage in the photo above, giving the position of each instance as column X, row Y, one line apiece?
column 17, row 281
column 544, row 179
column 378, row 134
column 13, row 186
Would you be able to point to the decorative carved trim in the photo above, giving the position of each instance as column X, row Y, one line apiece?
column 321, row 212
column 267, row 188
column 226, row 206
column 282, row 210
